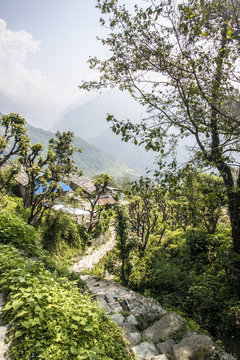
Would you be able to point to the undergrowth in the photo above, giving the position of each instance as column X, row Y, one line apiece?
column 52, row 319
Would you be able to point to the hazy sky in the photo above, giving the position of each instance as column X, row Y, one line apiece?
column 44, row 47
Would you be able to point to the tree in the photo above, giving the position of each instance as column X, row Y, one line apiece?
column 46, row 172
column 182, row 62
column 14, row 141
column 100, row 183
column 197, row 199
column 62, row 146
column 14, row 138
column 124, row 242
column 146, row 210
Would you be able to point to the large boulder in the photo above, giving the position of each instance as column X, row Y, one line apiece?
column 166, row 346
column 133, row 337
column 194, row 345
column 169, row 326
column 145, row 351
column 145, row 310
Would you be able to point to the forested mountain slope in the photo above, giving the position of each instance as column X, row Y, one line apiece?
column 91, row 160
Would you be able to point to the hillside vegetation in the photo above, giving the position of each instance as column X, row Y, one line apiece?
column 91, row 160
column 48, row 314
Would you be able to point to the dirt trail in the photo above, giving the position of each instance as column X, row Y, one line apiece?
column 93, row 255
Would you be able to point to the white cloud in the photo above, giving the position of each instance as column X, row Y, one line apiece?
column 30, row 87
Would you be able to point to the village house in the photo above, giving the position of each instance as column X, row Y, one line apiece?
column 106, row 200
column 79, row 181
column 22, row 182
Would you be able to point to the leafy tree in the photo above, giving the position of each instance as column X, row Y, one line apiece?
column 46, row 172
column 182, row 62
column 124, row 242
column 147, row 209
column 199, row 199
column 14, row 140
column 63, row 148
column 59, row 229
column 100, row 182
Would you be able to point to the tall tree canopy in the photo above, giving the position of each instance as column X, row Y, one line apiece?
column 14, row 139
column 181, row 60
column 46, row 172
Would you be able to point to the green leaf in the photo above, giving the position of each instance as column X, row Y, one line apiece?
column 74, row 350
column 93, row 356
column 97, row 350
column 16, row 304
column 18, row 333
column 88, row 328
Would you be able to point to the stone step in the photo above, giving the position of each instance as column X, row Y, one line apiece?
column 153, row 332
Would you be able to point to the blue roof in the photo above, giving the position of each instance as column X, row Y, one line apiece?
column 39, row 188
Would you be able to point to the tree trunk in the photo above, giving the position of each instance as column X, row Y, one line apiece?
column 233, row 193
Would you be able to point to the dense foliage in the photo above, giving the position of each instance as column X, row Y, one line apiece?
column 181, row 61
column 51, row 319
column 15, row 231
column 59, row 231
column 188, row 266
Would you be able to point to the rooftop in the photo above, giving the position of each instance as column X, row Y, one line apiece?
column 82, row 182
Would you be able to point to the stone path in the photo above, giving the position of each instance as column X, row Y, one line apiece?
column 93, row 255
column 153, row 332
column 3, row 330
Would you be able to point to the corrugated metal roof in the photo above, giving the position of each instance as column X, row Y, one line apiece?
column 105, row 200
column 82, row 182
column 63, row 186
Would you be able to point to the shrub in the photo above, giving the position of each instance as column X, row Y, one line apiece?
column 49, row 320
column 58, row 230
column 15, row 231
column 103, row 224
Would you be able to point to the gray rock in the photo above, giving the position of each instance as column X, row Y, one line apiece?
column 193, row 345
column 129, row 328
column 166, row 346
column 131, row 320
column 3, row 346
column 104, row 304
column 225, row 356
column 160, row 326
column 145, row 350
column 112, row 300
column 118, row 318
column 133, row 338
column 159, row 357
column 146, row 310
column 116, row 308
column 170, row 325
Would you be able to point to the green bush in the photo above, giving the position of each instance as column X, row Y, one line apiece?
column 15, row 231
column 49, row 320
column 190, row 271
column 103, row 224
column 58, row 230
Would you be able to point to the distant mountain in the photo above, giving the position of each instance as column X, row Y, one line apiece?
column 9, row 105
column 136, row 157
column 92, row 160
column 89, row 122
